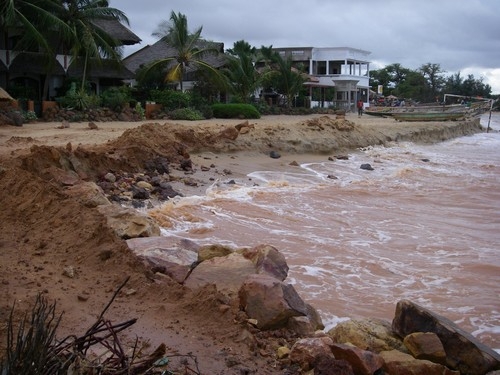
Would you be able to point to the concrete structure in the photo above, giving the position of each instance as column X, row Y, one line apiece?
column 339, row 76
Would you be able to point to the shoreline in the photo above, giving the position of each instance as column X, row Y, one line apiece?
column 47, row 226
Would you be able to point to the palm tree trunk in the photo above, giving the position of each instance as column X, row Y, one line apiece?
column 84, row 75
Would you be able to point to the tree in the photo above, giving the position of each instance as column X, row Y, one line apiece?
column 190, row 49
column 432, row 74
column 50, row 26
column 282, row 75
column 243, row 78
column 34, row 21
column 33, row 18
column 87, row 38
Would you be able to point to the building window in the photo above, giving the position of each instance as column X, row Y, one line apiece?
column 321, row 67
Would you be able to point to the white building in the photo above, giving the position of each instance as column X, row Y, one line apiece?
column 345, row 69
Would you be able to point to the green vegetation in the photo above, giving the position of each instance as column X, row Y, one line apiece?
column 190, row 50
column 426, row 84
column 116, row 98
column 234, row 110
column 171, row 99
column 79, row 99
column 190, row 114
column 51, row 26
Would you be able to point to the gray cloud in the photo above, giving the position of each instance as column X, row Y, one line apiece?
column 459, row 35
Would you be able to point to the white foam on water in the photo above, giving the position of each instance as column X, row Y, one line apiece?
column 426, row 231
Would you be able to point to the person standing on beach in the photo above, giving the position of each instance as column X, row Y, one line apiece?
column 360, row 107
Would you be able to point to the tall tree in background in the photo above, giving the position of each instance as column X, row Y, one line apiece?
column 432, row 74
column 33, row 23
column 282, row 75
column 87, row 38
column 243, row 77
column 50, row 27
column 189, row 47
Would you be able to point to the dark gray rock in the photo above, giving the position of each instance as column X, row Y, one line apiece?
column 463, row 351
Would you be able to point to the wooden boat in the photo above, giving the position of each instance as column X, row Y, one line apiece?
column 387, row 112
column 429, row 116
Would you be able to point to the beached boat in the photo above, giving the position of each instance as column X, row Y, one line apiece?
column 429, row 116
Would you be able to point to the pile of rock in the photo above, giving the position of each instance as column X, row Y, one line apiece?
column 98, row 115
column 11, row 117
column 417, row 342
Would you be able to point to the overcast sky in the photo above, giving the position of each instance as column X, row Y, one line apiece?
column 460, row 35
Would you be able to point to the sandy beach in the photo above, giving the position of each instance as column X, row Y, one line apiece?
column 45, row 228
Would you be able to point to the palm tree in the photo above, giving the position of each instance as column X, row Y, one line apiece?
column 49, row 25
column 243, row 78
column 33, row 17
column 189, row 48
column 87, row 38
column 282, row 75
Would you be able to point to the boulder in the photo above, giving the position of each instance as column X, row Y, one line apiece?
column 270, row 301
column 227, row 273
column 425, row 345
column 230, row 271
column 306, row 352
column 368, row 334
column 171, row 257
column 398, row 363
column 129, row 223
column 363, row 362
column 88, row 194
column 463, row 351
column 267, row 260
column 213, row 251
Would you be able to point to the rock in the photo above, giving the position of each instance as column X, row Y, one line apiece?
column 398, row 363
column 144, row 185
column 463, row 351
column 212, row 251
column 367, row 167
column 268, row 260
column 88, row 194
column 69, row 271
column 282, row 352
column 129, row 223
column 270, row 301
column 139, row 192
column 274, row 155
column 110, row 177
column 159, row 164
column 363, row 362
column 301, row 325
column 186, row 164
column 425, row 345
column 230, row 133
column 166, row 191
column 93, row 126
column 244, row 127
column 330, row 366
column 227, row 273
column 166, row 255
column 368, row 334
column 306, row 352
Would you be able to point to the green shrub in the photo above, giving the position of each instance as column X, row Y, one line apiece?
column 186, row 114
column 140, row 111
column 232, row 110
column 115, row 98
column 79, row 99
column 171, row 99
